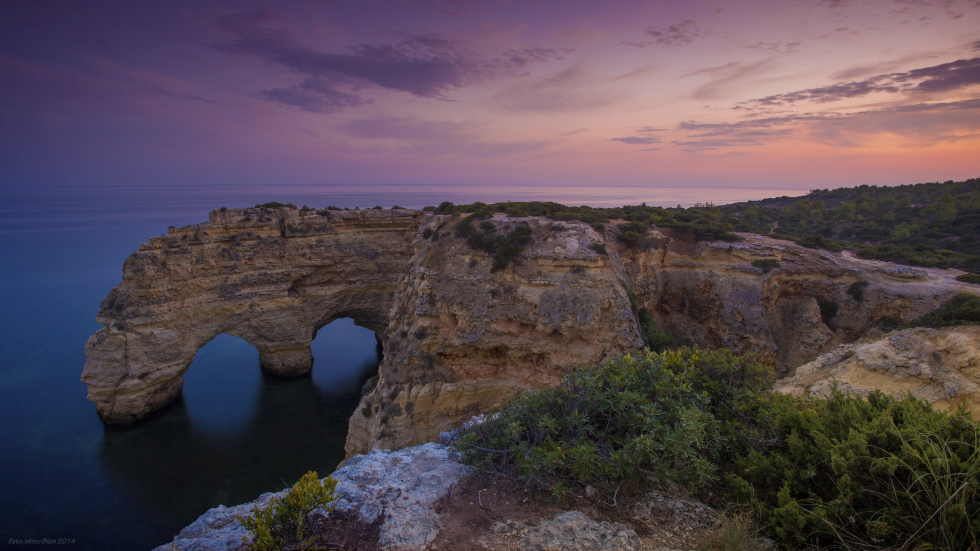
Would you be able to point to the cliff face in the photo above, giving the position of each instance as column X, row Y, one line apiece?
column 463, row 338
column 459, row 338
column 270, row 276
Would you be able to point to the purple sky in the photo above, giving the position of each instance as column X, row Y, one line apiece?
column 734, row 95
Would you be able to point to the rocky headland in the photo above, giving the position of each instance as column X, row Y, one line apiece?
column 459, row 337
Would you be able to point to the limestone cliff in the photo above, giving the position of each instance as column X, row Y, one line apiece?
column 270, row 276
column 941, row 366
column 458, row 337
column 463, row 338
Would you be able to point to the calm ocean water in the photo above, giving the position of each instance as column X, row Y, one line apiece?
column 235, row 434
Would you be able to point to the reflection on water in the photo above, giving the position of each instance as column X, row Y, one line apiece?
column 238, row 433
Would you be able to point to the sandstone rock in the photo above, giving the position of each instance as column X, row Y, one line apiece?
column 692, row 515
column 573, row 531
column 400, row 487
column 459, row 338
column 270, row 276
column 941, row 366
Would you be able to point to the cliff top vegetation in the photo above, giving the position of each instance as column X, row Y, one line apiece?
column 930, row 224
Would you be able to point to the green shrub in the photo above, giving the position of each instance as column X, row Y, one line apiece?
column 820, row 242
column 962, row 309
column 766, row 264
column 856, row 290
column 676, row 416
column 828, row 308
column 969, row 278
column 879, row 473
column 504, row 248
column 282, row 516
column 599, row 248
column 427, row 233
column 599, row 227
column 275, row 205
column 655, row 339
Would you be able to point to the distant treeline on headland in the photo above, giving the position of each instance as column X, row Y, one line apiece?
column 931, row 225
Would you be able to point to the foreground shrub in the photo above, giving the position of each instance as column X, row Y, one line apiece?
column 676, row 416
column 875, row 474
column 286, row 514
column 962, row 309
column 737, row 532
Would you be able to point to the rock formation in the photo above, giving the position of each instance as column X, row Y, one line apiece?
column 399, row 487
column 459, row 337
column 270, row 276
column 941, row 366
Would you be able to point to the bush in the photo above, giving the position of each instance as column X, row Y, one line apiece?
column 655, row 339
column 856, row 290
column 820, row 242
column 274, row 525
column 427, row 233
column 969, row 278
column 962, row 309
column 766, row 264
column 599, row 248
column 875, row 474
column 677, row 416
column 275, row 205
column 503, row 248
column 828, row 308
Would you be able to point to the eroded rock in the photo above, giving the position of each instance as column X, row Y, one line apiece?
column 573, row 531
column 399, row 487
column 941, row 366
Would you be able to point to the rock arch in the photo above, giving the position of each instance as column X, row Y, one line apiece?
column 272, row 277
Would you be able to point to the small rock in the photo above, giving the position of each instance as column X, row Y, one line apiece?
column 573, row 531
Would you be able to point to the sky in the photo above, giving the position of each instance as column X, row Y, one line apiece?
column 747, row 94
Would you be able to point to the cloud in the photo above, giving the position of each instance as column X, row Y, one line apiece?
column 425, row 66
column 646, row 140
column 976, row 46
column 777, row 47
column 726, row 75
column 924, row 123
column 939, row 78
column 571, row 90
column 678, row 34
column 681, row 33
column 436, row 138
column 315, row 96
column 456, row 8
column 525, row 56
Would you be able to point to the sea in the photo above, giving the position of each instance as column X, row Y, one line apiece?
column 235, row 433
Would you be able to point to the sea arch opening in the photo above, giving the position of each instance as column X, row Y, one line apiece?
column 222, row 386
column 345, row 355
